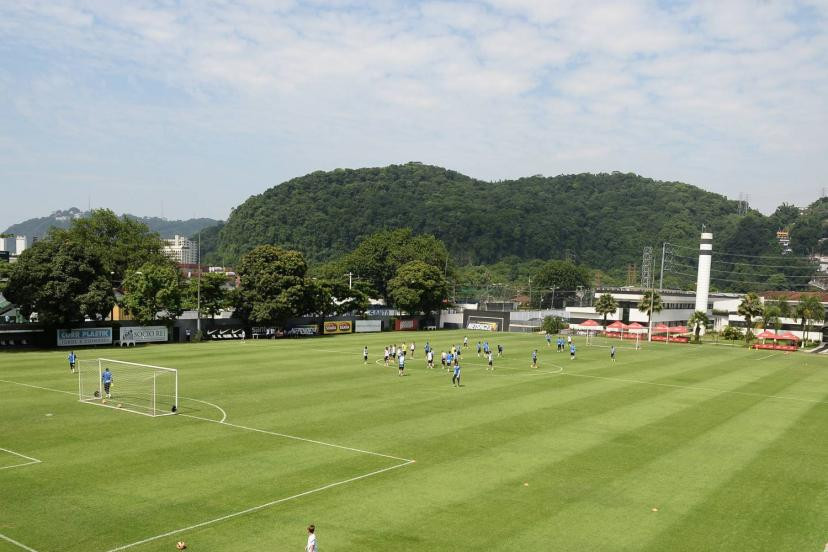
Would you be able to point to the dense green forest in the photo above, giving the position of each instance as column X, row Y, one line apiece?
column 602, row 221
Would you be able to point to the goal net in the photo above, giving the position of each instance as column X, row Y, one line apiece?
column 139, row 388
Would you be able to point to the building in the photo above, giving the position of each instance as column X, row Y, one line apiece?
column 677, row 306
column 181, row 250
column 726, row 313
column 14, row 245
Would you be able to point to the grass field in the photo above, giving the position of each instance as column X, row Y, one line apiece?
column 672, row 448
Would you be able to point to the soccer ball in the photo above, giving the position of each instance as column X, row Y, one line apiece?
column 120, row 405
column 103, row 401
column 181, row 545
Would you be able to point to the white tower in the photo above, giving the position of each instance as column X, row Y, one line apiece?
column 703, row 280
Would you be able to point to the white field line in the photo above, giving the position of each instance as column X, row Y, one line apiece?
column 73, row 393
column 223, row 413
column 769, row 356
column 286, row 436
column 18, row 544
column 29, row 458
column 259, row 507
column 403, row 462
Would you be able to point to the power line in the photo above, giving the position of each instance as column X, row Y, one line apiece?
column 776, row 257
column 748, row 264
column 764, row 283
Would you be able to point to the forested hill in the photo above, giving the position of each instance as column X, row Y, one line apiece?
column 603, row 220
column 61, row 219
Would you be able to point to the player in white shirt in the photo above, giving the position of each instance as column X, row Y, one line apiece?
column 311, row 546
column 401, row 362
column 365, row 355
column 491, row 360
column 386, row 354
column 411, row 348
column 430, row 359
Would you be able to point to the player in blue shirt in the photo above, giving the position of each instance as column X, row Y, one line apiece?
column 72, row 360
column 571, row 351
column 455, row 377
column 449, row 360
column 548, row 340
column 479, row 348
column 106, row 379
column 401, row 361
column 535, row 358
column 486, row 347
column 612, row 353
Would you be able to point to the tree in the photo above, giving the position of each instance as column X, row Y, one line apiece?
column 378, row 257
column 153, row 293
column 418, row 287
column 770, row 316
column 650, row 303
column 563, row 275
column 121, row 244
column 605, row 305
column 61, row 280
column 809, row 309
column 273, row 286
column 214, row 293
column 553, row 324
column 731, row 332
column 751, row 307
column 697, row 321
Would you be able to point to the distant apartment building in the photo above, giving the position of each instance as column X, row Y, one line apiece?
column 14, row 245
column 181, row 250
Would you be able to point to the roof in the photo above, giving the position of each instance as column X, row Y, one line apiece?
column 795, row 295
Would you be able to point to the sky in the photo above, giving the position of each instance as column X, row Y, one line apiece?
column 186, row 108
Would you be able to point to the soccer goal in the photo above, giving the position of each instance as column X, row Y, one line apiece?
column 139, row 388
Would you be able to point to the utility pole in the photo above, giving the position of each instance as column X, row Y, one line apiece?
column 350, row 280
column 198, row 301
column 661, row 278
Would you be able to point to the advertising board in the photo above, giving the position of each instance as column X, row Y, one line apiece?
column 368, row 326
column 303, row 330
column 405, row 325
column 84, row 336
column 337, row 327
column 144, row 334
column 485, row 326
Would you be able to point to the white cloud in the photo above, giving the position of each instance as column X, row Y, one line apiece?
column 234, row 96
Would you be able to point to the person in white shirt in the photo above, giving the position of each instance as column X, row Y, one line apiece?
column 311, row 546
column 430, row 359
column 411, row 348
column 491, row 360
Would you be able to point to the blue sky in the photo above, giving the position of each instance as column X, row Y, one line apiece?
column 186, row 108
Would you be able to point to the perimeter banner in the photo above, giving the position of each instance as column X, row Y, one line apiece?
column 338, row 327
column 84, row 336
column 485, row 326
column 144, row 334
column 303, row 330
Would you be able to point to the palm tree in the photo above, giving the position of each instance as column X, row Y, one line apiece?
column 770, row 317
column 606, row 305
column 698, row 320
column 750, row 308
column 809, row 310
column 650, row 303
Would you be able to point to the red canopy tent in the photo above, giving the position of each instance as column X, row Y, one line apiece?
column 677, row 329
column 589, row 323
column 616, row 329
column 635, row 326
column 787, row 336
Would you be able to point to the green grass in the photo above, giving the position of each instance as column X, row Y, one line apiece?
column 729, row 445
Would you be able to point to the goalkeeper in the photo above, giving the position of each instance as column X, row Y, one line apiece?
column 106, row 379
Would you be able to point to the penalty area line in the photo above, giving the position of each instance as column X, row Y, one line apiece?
column 15, row 543
column 29, row 458
column 256, row 508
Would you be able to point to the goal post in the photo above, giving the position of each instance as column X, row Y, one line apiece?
column 140, row 388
